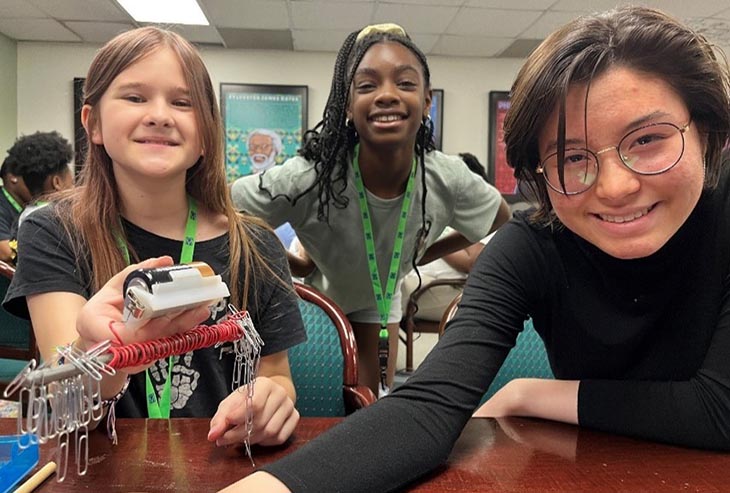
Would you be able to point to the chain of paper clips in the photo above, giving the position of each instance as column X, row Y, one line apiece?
column 64, row 398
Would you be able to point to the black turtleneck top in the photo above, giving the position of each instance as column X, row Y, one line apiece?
column 649, row 340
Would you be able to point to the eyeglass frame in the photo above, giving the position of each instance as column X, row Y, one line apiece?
column 541, row 169
column 258, row 148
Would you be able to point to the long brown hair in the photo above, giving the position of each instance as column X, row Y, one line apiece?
column 90, row 212
column 638, row 38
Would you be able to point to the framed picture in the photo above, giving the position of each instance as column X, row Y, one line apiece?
column 263, row 125
column 501, row 174
column 437, row 116
column 79, row 132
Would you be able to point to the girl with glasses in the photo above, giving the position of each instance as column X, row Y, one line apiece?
column 617, row 124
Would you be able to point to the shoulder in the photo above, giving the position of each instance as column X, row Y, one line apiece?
column 439, row 161
column 526, row 252
column 291, row 178
column 46, row 217
column 451, row 171
column 264, row 240
column 294, row 172
column 522, row 236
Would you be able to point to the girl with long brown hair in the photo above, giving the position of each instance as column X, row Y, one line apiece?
column 153, row 187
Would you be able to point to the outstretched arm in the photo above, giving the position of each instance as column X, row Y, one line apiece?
column 61, row 318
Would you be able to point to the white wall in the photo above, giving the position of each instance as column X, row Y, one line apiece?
column 8, row 93
column 46, row 72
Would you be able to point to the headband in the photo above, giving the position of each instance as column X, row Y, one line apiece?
column 382, row 28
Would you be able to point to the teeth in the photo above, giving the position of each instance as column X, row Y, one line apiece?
column 387, row 118
column 624, row 219
column 156, row 142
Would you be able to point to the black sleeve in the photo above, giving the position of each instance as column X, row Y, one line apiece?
column 276, row 312
column 404, row 435
column 14, row 228
column 46, row 262
column 7, row 216
column 693, row 412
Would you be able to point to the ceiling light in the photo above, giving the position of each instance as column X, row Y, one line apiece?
column 165, row 11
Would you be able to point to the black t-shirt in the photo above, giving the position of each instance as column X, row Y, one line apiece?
column 8, row 215
column 200, row 379
column 648, row 339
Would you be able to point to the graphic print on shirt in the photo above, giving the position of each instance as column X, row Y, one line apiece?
column 184, row 379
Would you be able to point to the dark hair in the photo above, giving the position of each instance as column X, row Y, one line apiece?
column 37, row 156
column 6, row 168
column 637, row 38
column 472, row 162
column 328, row 144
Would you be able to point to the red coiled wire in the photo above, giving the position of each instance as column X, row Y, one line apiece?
column 142, row 353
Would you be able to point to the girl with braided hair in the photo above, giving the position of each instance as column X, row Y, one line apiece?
column 369, row 196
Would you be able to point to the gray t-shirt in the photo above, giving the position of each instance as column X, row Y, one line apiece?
column 456, row 197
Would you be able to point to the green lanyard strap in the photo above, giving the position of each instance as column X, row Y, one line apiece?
column 12, row 201
column 161, row 409
column 383, row 299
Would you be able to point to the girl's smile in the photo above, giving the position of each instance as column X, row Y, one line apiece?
column 146, row 122
column 626, row 214
column 388, row 99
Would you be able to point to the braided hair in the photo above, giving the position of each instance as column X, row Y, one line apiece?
column 329, row 144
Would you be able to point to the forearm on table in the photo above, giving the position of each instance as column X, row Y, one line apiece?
column 556, row 400
column 691, row 413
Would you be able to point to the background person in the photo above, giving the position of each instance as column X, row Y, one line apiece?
column 43, row 161
column 366, row 175
column 14, row 197
column 264, row 146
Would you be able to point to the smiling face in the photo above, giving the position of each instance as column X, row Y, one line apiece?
column 388, row 97
column 262, row 152
column 625, row 214
column 146, row 121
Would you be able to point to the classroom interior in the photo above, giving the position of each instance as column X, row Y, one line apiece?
column 474, row 47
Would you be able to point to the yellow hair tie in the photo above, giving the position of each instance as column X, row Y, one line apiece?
column 382, row 28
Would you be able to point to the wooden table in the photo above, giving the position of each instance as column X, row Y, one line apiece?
column 513, row 454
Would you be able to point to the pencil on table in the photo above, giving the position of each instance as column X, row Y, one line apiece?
column 35, row 480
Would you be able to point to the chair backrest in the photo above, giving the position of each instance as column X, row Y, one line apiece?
column 527, row 359
column 17, row 341
column 324, row 368
column 410, row 323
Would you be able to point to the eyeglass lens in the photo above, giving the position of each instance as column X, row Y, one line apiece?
column 648, row 150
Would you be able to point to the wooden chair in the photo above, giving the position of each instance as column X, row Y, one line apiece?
column 527, row 359
column 410, row 323
column 324, row 368
column 17, row 340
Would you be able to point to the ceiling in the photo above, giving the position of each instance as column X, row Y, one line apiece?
column 480, row 28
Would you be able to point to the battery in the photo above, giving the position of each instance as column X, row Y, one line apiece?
column 151, row 293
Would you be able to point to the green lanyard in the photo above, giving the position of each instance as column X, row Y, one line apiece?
column 161, row 409
column 383, row 299
column 12, row 201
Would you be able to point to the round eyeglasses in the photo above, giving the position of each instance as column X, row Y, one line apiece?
column 260, row 148
column 648, row 150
